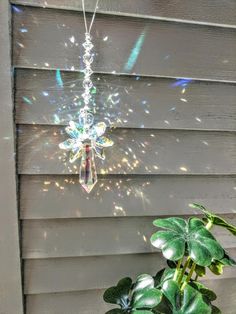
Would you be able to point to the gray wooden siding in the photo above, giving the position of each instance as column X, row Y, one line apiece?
column 75, row 237
column 11, row 296
column 174, row 108
column 132, row 101
column 58, row 303
column 94, row 272
column 161, row 48
column 60, row 196
column 217, row 12
column 137, row 151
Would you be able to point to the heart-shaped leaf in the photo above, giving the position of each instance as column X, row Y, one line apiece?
column 166, row 275
column 209, row 294
column 146, row 299
column 143, row 281
column 119, row 294
column 190, row 237
column 190, row 301
column 215, row 219
column 140, row 296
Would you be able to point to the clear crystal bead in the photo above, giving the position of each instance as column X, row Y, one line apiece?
column 87, row 72
column 85, row 119
column 87, row 45
column 87, row 84
column 87, row 97
column 88, row 59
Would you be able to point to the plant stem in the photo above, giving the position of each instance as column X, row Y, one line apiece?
column 188, row 277
column 184, row 269
column 176, row 274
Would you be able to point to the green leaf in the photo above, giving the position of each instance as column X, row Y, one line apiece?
column 198, row 206
column 133, row 297
column 200, row 270
column 147, row 299
column 172, row 292
column 120, row 293
column 216, row 268
column 215, row 310
column 173, row 224
column 158, row 276
column 209, row 294
column 191, row 301
column 165, row 274
column 143, row 281
column 227, row 260
column 191, row 237
column 171, row 264
column 163, row 307
column 215, row 219
column 141, row 312
column 116, row 311
column 171, row 244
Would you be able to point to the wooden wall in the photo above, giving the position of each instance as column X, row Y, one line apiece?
column 165, row 75
column 11, row 296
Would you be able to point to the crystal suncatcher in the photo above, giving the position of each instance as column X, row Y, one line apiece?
column 87, row 139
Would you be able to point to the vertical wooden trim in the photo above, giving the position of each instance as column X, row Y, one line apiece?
column 11, row 301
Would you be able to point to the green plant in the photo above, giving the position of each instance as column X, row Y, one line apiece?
column 190, row 248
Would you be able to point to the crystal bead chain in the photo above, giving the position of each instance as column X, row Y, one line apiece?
column 87, row 82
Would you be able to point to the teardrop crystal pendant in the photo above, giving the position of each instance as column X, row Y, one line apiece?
column 88, row 174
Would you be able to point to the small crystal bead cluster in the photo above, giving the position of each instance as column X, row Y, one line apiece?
column 88, row 60
column 86, row 138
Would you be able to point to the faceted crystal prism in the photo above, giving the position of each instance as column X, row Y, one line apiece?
column 88, row 174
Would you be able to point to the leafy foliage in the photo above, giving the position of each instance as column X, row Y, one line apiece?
column 188, row 302
column 190, row 237
column 138, row 298
column 189, row 247
column 119, row 294
column 216, row 220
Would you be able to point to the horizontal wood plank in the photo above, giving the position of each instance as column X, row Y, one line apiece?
column 54, row 97
column 97, row 272
column 211, row 11
column 82, row 302
column 91, row 301
column 44, row 197
column 73, row 274
column 91, row 237
column 136, row 151
column 47, row 38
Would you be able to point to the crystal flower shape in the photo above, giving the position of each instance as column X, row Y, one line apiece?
column 79, row 135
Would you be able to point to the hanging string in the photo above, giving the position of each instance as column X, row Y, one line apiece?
column 88, row 30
